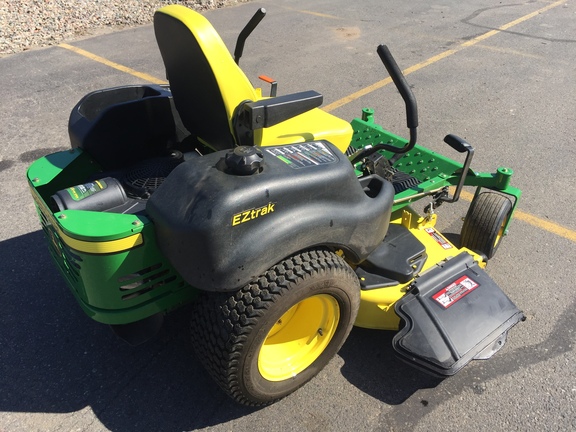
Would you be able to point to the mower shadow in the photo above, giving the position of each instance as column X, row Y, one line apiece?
column 452, row 237
column 371, row 366
column 54, row 359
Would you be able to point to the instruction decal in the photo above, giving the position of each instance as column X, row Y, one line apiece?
column 439, row 239
column 458, row 289
column 78, row 193
column 304, row 155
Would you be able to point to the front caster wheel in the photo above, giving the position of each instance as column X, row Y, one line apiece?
column 269, row 338
column 484, row 223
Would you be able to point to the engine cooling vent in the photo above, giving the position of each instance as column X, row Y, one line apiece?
column 143, row 179
column 145, row 280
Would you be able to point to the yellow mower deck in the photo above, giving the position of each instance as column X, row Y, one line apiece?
column 377, row 305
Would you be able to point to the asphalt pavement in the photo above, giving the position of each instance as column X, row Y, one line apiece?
column 500, row 74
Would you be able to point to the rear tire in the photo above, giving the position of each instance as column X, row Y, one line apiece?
column 269, row 338
column 484, row 224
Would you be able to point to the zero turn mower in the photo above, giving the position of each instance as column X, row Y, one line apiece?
column 283, row 224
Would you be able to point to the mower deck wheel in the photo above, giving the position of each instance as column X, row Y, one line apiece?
column 269, row 338
column 484, row 223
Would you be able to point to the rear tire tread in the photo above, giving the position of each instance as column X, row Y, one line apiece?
column 221, row 322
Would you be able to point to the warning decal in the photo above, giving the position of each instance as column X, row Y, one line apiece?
column 449, row 295
column 439, row 239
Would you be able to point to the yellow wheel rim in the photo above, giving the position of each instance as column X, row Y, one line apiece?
column 500, row 233
column 299, row 337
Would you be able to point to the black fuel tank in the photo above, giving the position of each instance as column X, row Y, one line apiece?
column 225, row 218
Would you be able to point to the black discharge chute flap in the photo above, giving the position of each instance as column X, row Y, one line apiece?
column 453, row 314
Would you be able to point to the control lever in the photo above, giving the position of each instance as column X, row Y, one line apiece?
column 409, row 100
column 254, row 21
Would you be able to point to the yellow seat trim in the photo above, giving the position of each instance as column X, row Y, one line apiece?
column 305, row 128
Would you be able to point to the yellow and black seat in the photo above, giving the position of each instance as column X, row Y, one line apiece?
column 211, row 93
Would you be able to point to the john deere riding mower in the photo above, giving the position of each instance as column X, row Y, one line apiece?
column 283, row 225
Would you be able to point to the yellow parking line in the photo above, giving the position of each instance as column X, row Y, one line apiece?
column 318, row 14
column 441, row 56
column 117, row 66
column 508, row 51
column 546, row 225
column 530, row 219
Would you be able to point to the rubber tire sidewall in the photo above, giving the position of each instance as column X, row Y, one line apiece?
column 252, row 382
column 482, row 223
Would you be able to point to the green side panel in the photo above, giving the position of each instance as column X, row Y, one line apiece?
column 47, row 175
column 124, row 287
column 99, row 226
column 61, row 170
column 112, row 288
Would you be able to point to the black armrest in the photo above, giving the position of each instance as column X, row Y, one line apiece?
column 268, row 112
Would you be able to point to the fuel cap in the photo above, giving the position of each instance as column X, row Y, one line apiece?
column 244, row 160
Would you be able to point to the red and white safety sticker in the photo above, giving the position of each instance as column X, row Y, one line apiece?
column 449, row 295
column 439, row 239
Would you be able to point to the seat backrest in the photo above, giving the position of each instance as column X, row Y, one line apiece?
column 207, row 85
